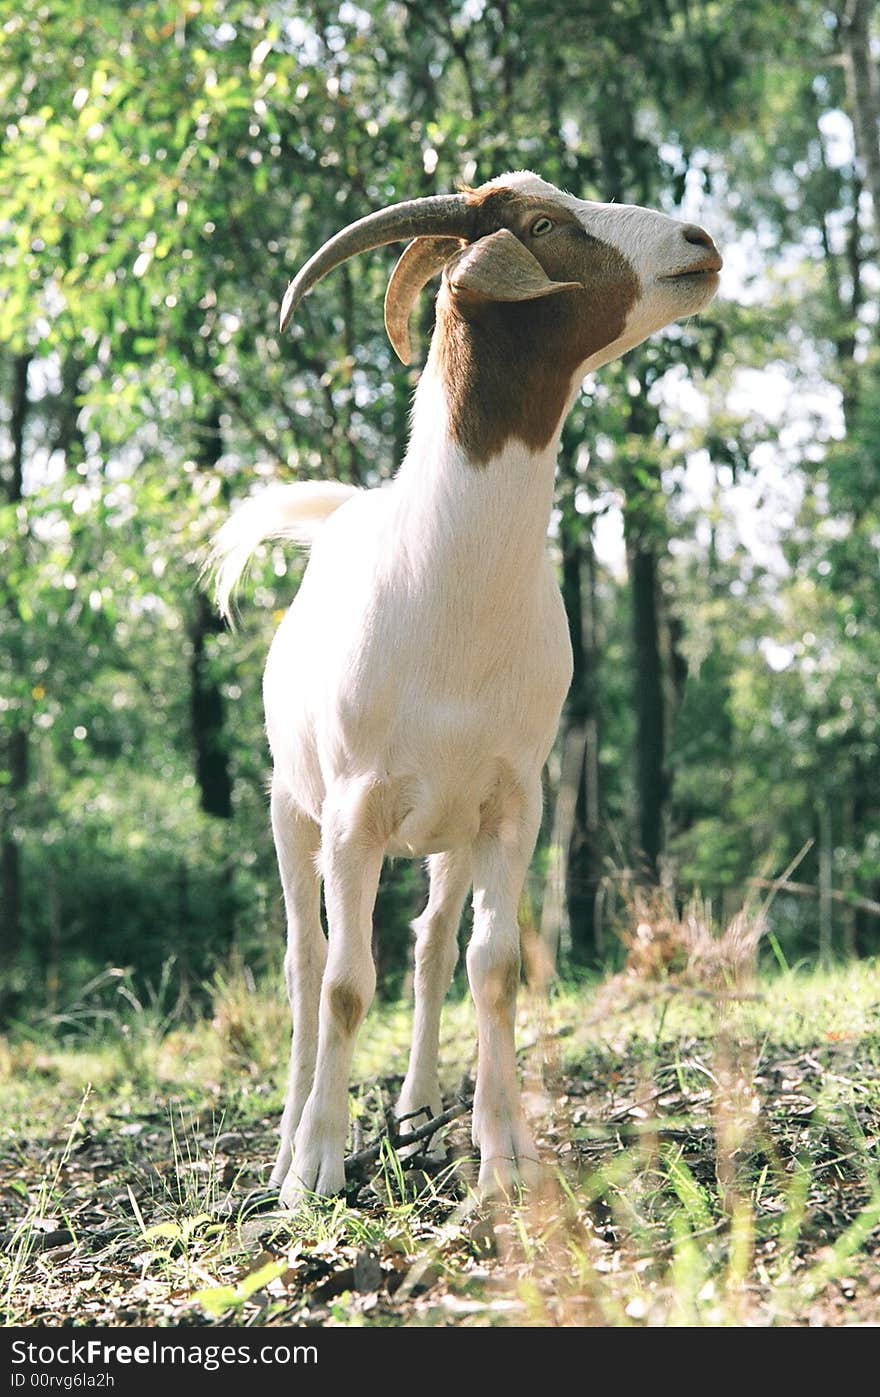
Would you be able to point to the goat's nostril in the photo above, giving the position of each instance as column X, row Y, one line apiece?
column 698, row 236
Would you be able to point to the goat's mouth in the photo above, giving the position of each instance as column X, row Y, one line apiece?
column 699, row 273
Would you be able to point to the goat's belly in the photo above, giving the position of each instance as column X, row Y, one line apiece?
column 433, row 828
column 451, row 806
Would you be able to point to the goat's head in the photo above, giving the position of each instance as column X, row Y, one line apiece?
column 565, row 283
column 519, row 239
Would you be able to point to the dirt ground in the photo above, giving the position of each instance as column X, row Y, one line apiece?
column 706, row 1191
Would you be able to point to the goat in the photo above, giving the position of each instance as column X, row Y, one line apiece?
column 413, row 690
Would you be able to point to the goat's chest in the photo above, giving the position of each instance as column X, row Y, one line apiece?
column 422, row 690
column 434, row 696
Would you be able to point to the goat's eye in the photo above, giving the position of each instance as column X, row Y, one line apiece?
column 540, row 227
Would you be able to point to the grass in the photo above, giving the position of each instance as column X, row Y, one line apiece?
column 711, row 1160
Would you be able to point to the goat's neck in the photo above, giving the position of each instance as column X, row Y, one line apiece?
column 480, row 526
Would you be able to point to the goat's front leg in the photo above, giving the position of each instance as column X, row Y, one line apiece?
column 507, row 1151
column 297, row 844
column 351, row 863
column 436, row 953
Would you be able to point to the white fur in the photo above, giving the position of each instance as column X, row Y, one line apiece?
column 412, row 694
column 281, row 512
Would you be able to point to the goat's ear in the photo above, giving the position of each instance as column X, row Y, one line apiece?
column 423, row 258
column 500, row 268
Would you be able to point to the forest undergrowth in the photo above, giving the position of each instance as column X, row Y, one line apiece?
column 709, row 1134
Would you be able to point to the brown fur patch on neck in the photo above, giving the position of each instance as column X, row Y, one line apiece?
column 508, row 366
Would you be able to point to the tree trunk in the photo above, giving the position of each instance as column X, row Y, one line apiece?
column 212, row 765
column 651, row 781
column 863, row 93
column 826, row 905
column 583, row 871
column 16, row 742
column 642, row 518
column 206, row 699
column 848, row 840
column 574, row 856
column 864, row 785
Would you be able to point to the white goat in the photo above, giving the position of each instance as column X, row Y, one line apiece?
column 413, row 689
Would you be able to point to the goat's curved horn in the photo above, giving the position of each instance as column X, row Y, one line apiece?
column 450, row 215
column 422, row 259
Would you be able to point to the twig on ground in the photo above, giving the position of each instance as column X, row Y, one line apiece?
column 356, row 1163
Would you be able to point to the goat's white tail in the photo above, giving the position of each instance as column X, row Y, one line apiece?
column 292, row 512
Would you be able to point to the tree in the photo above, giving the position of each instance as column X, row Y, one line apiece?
column 164, row 170
column 14, row 751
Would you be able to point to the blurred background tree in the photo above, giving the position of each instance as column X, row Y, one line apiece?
column 164, row 168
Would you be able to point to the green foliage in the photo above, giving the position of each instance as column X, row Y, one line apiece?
column 164, row 169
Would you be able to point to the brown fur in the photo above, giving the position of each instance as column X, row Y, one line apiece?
column 501, row 986
column 509, row 366
column 347, row 1007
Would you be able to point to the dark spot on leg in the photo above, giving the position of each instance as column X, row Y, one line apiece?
column 346, row 1006
column 501, row 986
column 511, row 983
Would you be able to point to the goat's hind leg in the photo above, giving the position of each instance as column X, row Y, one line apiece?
column 436, row 952
column 297, row 845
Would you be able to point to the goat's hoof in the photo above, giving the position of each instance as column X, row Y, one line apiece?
column 509, row 1159
column 306, row 1180
column 506, row 1176
column 295, row 1196
column 282, row 1166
